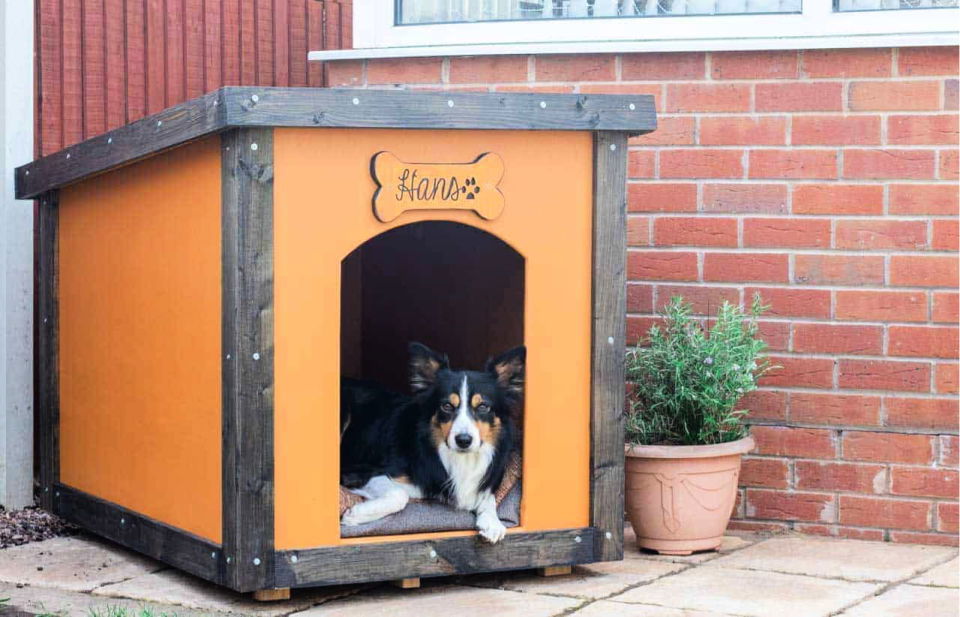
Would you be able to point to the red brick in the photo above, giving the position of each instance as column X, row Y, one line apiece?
column 837, row 199
column 836, row 409
column 795, row 506
column 739, row 267
column 855, row 533
column 792, row 301
column 487, row 69
column 639, row 298
column 927, row 60
column 765, row 404
column 923, row 271
column 923, row 199
column 945, row 235
column 699, row 164
column 786, row 233
column 703, row 97
column 637, row 328
column 796, row 372
column 951, row 94
column 881, row 305
column 703, row 300
column 554, row 89
column 910, row 537
column 949, row 167
column 575, row 67
column 641, row 164
column 838, row 269
column 837, row 339
column 344, row 73
column 945, row 379
column 947, row 515
column 894, row 95
column 663, row 66
column 797, row 442
column 671, row 131
column 887, row 447
column 923, row 482
column 781, row 164
column 924, row 130
column 404, row 71
column 949, row 450
column 776, row 334
column 923, row 341
column 695, row 231
column 936, row 413
column 854, row 477
column 888, row 164
column 740, row 130
column 880, row 512
column 741, row 198
column 638, row 231
column 654, row 90
column 661, row 266
column 884, row 375
column 835, row 130
column 847, row 62
column 662, row 197
column 874, row 234
column 765, row 472
column 946, row 307
column 754, row 65
column 800, row 96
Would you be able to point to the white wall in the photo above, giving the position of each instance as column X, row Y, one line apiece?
column 16, row 256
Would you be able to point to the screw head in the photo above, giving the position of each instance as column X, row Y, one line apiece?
column 68, row 155
column 613, row 146
column 578, row 539
column 632, row 107
column 228, row 356
column 26, row 173
column 109, row 140
column 256, row 356
column 608, row 535
column 294, row 559
column 449, row 103
column 256, row 561
column 543, row 104
column 610, row 340
column 356, row 101
column 123, row 521
column 213, row 555
column 159, row 122
column 433, row 554
column 254, row 147
column 255, row 98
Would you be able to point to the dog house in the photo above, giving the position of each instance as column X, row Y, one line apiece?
column 209, row 273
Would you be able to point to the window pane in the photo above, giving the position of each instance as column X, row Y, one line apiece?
column 434, row 11
column 874, row 5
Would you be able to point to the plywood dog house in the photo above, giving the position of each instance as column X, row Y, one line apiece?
column 201, row 296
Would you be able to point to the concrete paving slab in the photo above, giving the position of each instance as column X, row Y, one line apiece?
column 730, row 543
column 749, row 593
column 604, row 608
column 174, row 587
column 76, row 564
column 444, row 600
column 593, row 581
column 909, row 601
column 60, row 603
column 854, row 560
column 944, row 575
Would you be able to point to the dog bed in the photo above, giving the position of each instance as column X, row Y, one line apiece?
column 427, row 515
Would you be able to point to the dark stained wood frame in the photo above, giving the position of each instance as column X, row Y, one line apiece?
column 245, row 117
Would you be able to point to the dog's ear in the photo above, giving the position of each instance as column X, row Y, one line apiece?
column 424, row 364
column 509, row 369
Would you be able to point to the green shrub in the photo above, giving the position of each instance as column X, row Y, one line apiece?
column 686, row 381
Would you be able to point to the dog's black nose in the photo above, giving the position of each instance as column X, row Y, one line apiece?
column 463, row 440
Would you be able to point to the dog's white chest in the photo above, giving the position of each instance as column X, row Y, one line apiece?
column 466, row 471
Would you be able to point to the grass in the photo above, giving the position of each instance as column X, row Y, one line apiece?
column 112, row 610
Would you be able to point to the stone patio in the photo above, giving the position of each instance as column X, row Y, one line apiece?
column 751, row 576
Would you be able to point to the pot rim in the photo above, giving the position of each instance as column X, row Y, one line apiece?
column 740, row 446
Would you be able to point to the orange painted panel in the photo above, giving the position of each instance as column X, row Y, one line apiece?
column 323, row 210
column 140, row 337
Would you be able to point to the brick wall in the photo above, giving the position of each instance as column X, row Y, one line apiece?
column 825, row 181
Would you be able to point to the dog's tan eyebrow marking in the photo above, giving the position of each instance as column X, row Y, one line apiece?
column 455, row 399
column 475, row 400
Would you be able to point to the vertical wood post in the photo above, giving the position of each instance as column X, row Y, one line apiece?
column 48, row 346
column 609, row 333
column 247, row 358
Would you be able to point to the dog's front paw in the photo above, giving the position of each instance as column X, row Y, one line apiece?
column 352, row 517
column 491, row 529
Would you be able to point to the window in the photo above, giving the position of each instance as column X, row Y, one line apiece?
column 398, row 28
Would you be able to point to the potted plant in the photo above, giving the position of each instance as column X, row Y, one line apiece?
column 684, row 431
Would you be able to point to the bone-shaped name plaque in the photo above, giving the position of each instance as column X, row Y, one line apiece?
column 437, row 186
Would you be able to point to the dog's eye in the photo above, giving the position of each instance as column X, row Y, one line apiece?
column 483, row 408
column 447, row 407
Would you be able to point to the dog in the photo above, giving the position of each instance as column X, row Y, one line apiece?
column 450, row 440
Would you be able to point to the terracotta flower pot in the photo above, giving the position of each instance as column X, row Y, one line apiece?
column 679, row 498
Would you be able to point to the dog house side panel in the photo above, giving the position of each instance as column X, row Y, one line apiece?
column 140, row 381
column 323, row 210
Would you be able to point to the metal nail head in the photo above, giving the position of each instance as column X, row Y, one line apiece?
column 254, row 147
column 256, row 356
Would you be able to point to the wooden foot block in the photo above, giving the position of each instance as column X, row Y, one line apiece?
column 271, row 595
column 554, row 570
column 406, row 583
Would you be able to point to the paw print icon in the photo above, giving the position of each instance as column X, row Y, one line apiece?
column 470, row 188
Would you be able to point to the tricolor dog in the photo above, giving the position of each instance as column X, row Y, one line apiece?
column 450, row 440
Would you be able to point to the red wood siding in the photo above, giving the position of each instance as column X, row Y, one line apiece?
column 104, row 63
